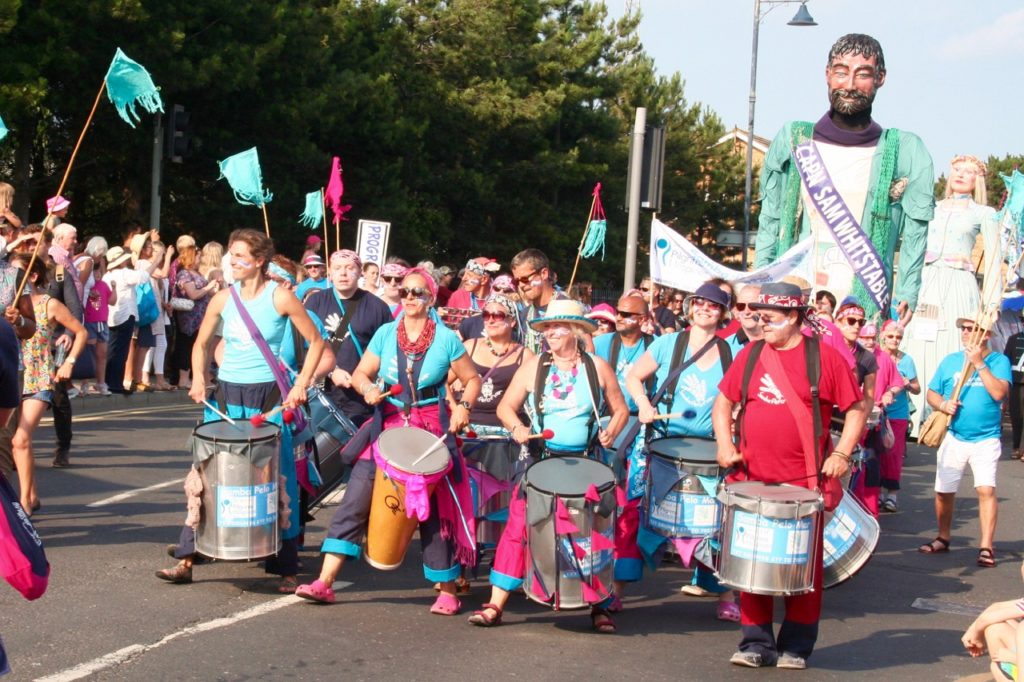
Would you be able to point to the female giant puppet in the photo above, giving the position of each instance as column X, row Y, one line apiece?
column 949, row 287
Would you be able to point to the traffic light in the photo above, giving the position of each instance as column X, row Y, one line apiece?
column 179, row 134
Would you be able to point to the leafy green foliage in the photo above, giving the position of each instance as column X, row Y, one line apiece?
column 474, row 126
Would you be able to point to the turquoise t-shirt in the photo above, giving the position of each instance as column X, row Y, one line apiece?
column 979, row 417
column 445, row 349
column 900, row 408
column 310, row 284
column 569, row 413
column 243, row 362
column 627, row 358
column 288, row 348
column 695, row 394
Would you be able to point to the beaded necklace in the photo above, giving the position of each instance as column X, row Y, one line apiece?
column 563, row 384
column 494, row 351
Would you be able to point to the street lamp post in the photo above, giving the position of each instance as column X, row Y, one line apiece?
column 801, row 18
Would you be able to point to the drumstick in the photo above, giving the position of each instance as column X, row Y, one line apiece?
column 260, row 419
column 430, row 448
column 223, row 416
column 669, row 415
column 546, row 434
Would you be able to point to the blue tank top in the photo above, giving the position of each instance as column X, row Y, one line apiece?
column 568, row 414
column 243, row 361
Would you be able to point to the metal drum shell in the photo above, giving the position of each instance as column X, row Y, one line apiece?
column 234, row 463
column 770, row 505
column 689, row 457
column 546, row 566
column 500, row 458
column 850, row 537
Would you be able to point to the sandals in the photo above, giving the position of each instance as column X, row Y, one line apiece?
column 601, row 621
column 288, row 584
column 482, row 619
column 179, row 575
column 462, row 586
column 936, row 546
column 986, row 557
column 446, row 605
column 317, row 591
column 728, row 611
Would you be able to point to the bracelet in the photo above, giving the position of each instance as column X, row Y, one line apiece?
column 841, row 455
column 364, row 390
column 22, row 322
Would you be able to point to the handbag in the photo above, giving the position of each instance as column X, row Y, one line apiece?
column 885, row 433
column 182, row 304
column 23, row 563
column 933, row 430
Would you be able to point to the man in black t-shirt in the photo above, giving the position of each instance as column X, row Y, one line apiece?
column 352, row 316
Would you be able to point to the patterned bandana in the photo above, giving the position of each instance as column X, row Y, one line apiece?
column 779, row 301
column 348, row 254
column 277, row 271
column 505, row 302
column 393, row 270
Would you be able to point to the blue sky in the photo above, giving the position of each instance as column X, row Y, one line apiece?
column 947, row 63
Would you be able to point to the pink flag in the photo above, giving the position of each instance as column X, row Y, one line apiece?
column 335, row 190
column 578, row 551
column 592, row 494
column 599, row 542
column 563, row 523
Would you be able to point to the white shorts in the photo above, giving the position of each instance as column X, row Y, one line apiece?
column 954, row 455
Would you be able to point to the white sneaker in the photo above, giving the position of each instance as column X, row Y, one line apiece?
column 73, row 393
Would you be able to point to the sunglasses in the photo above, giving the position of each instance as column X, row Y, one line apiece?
column 497, row 316
column 740, row 306
column 967, row 328
column 527, row 279
column 623, row 313
column 392, row 280
column 415, row 292
column 698, row 301
column 645, row 289
column 898, row 337
column 858, row 321
column 677, row 301
column 505, row 290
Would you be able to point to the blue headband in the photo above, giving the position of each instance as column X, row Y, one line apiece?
column 277, row 271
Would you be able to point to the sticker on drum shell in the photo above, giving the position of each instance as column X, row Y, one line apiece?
column 591, row 562
column 686, row 514
column 839, row 536
column 246, row 506
column 768, row 540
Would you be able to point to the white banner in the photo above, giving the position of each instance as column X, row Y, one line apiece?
column 677, row 263
column 372, row 241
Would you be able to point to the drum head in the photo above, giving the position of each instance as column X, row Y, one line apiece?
column 569, row 476
column 777, row 500
column 400, row 446
column 241, row 432
column 700, row 450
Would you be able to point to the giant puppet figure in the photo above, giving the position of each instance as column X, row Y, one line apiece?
column 855, row 187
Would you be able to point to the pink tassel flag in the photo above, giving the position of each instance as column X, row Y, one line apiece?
column 563, row 522
column 335, row 190
column 599, row 542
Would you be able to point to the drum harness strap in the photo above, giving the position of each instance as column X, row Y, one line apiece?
column 613, row 359
column 544, row 369
column 343, row 331
column 666, row 393
column 812, row 358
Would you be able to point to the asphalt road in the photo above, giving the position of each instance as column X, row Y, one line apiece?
column 106, row 617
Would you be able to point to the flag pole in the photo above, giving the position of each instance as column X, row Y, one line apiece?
column 266, row 222
column 337, row 234
column 60, row 190
column 583, row 239
column 327, row 244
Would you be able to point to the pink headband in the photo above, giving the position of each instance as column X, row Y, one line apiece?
column 393, row 270
column 892, row 324
column 422, row 272
column 346, row 254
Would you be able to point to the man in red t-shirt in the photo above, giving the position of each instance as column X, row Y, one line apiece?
column 772, row 451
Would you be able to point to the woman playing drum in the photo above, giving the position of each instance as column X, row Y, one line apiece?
column 415, row 353
column 246, row 384
column 569, row 411
column 692, row 396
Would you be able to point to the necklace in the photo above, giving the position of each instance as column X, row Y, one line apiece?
column 562, row 384
column 422, row 342
column 494, row 351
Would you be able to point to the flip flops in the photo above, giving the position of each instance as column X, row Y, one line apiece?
column 316, row 591
column 446, row 605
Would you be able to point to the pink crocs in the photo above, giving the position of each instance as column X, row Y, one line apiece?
column 316, row 591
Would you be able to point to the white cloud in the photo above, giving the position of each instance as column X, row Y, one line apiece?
column 1002, row 36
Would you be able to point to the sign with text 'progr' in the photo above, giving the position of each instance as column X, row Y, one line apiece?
column 372, row 242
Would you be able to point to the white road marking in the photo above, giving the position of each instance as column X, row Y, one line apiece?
column 99, row 416
column 133, row 493
column 129, row 652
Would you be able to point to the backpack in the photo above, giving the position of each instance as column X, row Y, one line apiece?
column 149, row 309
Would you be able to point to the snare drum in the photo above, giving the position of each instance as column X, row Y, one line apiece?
column 239, row 466
column 396, row 511
column 494, row 462
column 676, row 502
column 769, row 538
column 564, row 569
column 332, row 431
column 850, row 537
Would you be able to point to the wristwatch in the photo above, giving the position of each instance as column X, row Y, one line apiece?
column 465, row 403
column 70, row 359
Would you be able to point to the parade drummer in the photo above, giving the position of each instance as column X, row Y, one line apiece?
column 691, row 394
column 246, row 384
column 416, row 353
column 574, row 384
column 771, row 451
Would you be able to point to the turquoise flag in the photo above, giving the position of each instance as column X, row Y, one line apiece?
column 243, row 174
column 3, row 129
column 129, row 84
column 314, row 213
